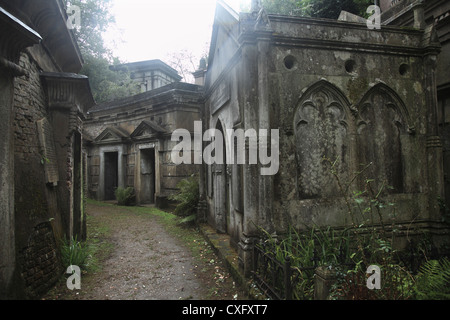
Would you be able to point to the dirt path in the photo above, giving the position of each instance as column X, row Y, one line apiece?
column 145, row 262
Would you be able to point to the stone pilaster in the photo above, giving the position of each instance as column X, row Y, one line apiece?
column 434, row 145
column 245, row 254
column 69, row 98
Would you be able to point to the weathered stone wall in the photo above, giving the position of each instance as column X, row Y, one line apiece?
column 47, row 175
column 35, row 201
column 7, row 250
column 44, row 164
column 334, row 90
column 438, row 13
column 30, row 106
column 319, row 123
column 40, row 261
column 355, row 107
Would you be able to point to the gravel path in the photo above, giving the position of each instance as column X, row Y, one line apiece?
column 145, row 262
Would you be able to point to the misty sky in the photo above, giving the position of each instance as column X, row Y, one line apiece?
column 152, row 29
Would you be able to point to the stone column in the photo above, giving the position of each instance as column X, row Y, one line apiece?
column 202, row 206
column 69, row 98
column 264, row 119
column 324, row 279
column 419, row 15
column 254, row 94
column 16, row 36
column 247, row 91
column 7, row 249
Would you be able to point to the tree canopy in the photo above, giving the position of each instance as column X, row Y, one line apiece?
column 317, row 8
column 95, row 19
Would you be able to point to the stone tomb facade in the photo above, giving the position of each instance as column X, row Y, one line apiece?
column 130, row 142
column 43, row 103
column 333, row 89
column 149, row 75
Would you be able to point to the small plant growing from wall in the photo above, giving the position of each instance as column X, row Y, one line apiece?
column 125, row 196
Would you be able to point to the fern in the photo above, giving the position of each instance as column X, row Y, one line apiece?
column 187, row 197
column 433, row 280
column 125, row 196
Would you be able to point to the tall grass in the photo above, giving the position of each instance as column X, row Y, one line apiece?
column 351, row 251
column 307, row 250
column 74, row 252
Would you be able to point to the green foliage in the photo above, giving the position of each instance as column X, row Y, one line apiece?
column 125, row 196
column 74, row 252
column 96, row 18
column 369, row 240
column 316, row 8
column 433, row 280
column 306, row 250
column 106, row 85
column 188, row 221
column 286, row 7
column 373, row 244
column 187, row 197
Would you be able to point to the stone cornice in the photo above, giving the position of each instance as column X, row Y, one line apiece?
column 68, row 90
column 48, row 18
column 15, row 36
column 177, row 93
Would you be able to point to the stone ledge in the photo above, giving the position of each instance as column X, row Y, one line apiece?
column 221, row 246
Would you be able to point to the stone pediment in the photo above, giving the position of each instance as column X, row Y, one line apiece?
column 148, row 128
column 112, row 135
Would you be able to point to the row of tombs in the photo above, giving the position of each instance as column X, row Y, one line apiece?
column 343, row 97
column 372, row 100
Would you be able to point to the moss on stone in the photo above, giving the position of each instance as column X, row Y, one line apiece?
column 356, row 88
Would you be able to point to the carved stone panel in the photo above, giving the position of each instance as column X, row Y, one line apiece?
column 380, row 127
column 320, row 126
column 49, row 159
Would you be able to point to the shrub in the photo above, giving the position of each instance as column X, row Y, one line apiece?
column 125, row 197
column 187, row 198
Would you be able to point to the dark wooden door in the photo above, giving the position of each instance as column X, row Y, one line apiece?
column 111, row 174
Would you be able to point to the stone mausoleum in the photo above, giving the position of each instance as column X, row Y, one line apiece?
column 370, row 100
column 334, row 89
column 129, row 140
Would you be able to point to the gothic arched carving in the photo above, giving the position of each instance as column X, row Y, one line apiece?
column 383, row 119
column 321, row 129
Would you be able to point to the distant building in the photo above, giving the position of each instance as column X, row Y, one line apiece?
column 130, row 139
column 150, row 74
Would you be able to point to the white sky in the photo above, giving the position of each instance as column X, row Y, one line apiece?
column 151, row 29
